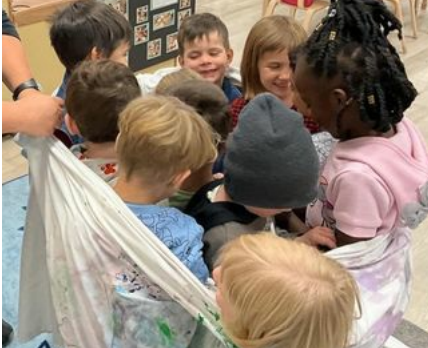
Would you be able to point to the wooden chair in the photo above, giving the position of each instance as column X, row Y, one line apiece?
column 25, row 12
column 398, row 11
column 310, row 7
column 414, row 9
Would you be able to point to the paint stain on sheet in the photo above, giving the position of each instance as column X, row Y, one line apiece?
column 166, row 333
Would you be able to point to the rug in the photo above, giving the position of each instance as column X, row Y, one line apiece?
column 14, row 201
column 15, row 194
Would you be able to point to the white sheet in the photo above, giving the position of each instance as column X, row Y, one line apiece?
column 74, row 217
column 382, row 268
column 74, row 223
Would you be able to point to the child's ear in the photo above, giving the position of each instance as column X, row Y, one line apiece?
column 339, row 98
column 71, row 125
column 178, row 180
column 180, row 60
column 229, row 54
column 217, row 275
column 95, row 54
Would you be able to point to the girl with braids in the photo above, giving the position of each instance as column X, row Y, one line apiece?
column 374, row 185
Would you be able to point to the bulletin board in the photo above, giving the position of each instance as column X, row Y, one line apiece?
column 155, row 24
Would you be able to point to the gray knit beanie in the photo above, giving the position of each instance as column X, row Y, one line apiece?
column 270, row 159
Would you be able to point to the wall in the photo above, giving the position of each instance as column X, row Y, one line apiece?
column 44, row 64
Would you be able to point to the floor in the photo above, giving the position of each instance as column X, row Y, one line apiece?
column 239, row 16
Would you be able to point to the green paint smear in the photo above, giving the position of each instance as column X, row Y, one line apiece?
column 215, row 315
column 166, row 333
column 219, row 329
column 200, row 319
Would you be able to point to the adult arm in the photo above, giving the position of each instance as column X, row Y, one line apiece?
column 15, row 68
column 34, row 113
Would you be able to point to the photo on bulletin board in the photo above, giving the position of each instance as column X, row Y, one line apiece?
column 155, row 24
column 171, row 42
column 182, row 15
column 156, row 4
column 142, row 14
column 141, row 34
column 184, row 4
column 154, row 49
column 163, row 20
column 119, row 5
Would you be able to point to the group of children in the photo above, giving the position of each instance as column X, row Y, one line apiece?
column 159, row 154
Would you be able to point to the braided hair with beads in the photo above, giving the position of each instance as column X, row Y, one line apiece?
column 351, row 41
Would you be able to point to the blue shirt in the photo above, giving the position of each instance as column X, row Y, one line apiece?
column 61, row 93
column 179, row 232
column 230, row 90
column 63, row 87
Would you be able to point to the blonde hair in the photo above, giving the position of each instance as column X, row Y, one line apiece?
column 176, row 78
column 285, row 294
column 161, row 137
column 270, row 34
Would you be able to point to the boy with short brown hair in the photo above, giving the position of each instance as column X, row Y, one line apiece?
column 203, row 46
column 97, row 93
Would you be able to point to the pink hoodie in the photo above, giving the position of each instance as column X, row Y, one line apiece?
column 370, row 185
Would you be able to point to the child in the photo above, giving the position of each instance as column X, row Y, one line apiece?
column 365, row 93
column 88, row 30
column 97, row 93
column 161, row 142
column 265, row 65
column 210, row 102
column 374, row 184
column 271, row 167
column 294, row 296
column 175, row 78
column 203, row 46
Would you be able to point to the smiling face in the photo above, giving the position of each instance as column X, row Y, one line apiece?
column 275, row 74
column 208, row 57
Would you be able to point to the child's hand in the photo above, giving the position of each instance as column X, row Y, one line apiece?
column 319, row 236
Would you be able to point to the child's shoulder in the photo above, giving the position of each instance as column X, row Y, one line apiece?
column 231, row 91
column 235, row 109
column 180, row 217
column 164, row 217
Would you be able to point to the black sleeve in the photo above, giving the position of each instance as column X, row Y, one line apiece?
column 7, row 26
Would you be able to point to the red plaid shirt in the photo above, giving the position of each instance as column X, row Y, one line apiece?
column 239, row 103
column 235, row 109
